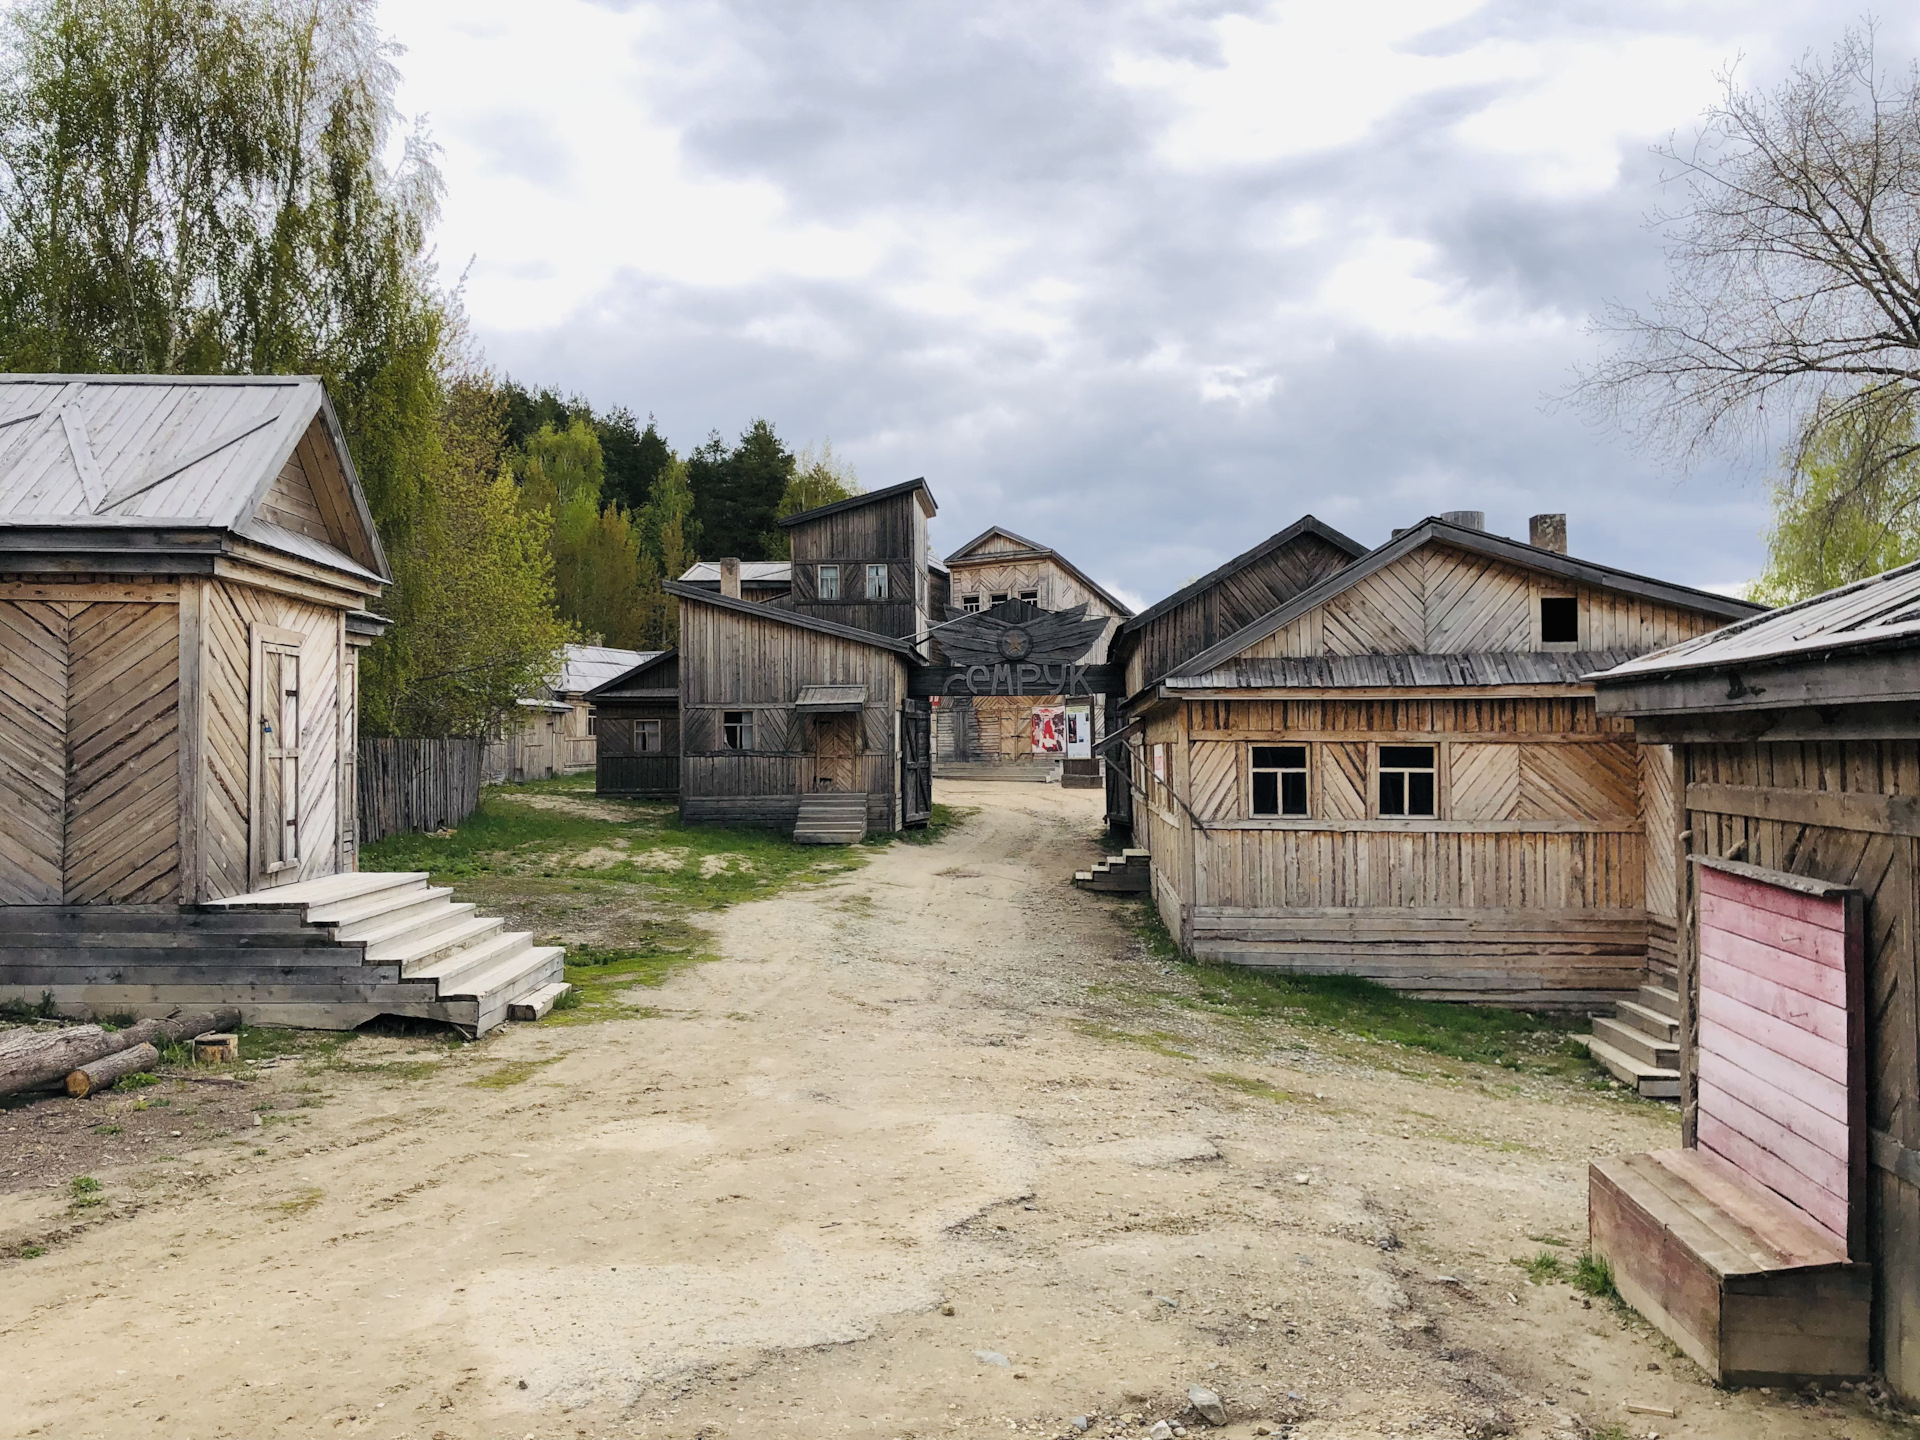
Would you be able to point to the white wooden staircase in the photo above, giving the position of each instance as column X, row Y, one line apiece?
column 1639, row 1044
column 831, row 817
column 478, row 972
column 1128, row 873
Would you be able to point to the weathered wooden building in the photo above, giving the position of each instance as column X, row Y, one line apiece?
column 1399, row 773
column 991, row 569
column 864, row 562
column 759, row 579
column 1792, row 746
column 638, row 730
column 555, row 733
column 185, row 566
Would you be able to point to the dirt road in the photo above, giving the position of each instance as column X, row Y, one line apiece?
column 889, row 1168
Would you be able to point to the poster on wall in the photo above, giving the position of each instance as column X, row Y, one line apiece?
column 1049, row 730
column 1079, row 733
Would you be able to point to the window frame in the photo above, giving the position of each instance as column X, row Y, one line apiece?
column 1540, row 609
column 642, row 730
column 826, row 582
column 877, row 573
column 993, row 600
column 970, row 603
column 1032, row 597
column 1255, row 770
column 736, row 731
column 1381, row 769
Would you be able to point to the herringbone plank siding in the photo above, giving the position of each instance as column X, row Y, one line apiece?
column 33, row 742
column 1484, row 781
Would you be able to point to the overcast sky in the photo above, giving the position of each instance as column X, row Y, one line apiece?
column 1145, row 282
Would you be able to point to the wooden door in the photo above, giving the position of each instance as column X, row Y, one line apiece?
column 836, row 752
column 916, row 763
column 277, row 722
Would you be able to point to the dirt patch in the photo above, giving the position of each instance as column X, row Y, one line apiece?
column 584, row 807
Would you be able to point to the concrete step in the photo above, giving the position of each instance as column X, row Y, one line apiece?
column 387, row 911
column 539, row 1003
column 459, row 972
column 1648, row 1021
column 1659, row 997
column 1655, row 1082
column 327, row 890
column 425, row 950
column 1637, row 1043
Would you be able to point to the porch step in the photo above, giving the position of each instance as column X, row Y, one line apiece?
column 831, row 817
column 440, row 956
column 1637, row 1043
column 327, row 890
column 351, row 919
column 1648, row 1021
column 1654, row 1082
column 537, row 1005
column 1128, row 873
column 1661, row 998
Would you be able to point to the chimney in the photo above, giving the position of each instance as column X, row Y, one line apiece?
column 1548, row 532
column 730, row 577
column 1465, row 519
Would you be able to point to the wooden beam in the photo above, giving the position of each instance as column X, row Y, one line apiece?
column 192, row 721
column 1833, row 809
column 1895, row 721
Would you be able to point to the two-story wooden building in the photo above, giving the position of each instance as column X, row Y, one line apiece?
column 1399, row 773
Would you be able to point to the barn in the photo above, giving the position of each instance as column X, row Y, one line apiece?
column 186, row 567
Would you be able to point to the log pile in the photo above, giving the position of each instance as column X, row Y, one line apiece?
column 41, row 1059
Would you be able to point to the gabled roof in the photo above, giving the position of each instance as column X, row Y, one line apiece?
column 1401, row 672
column 582, row 667
column 1034, row 550
column 1496, row 547
column 629, row 680
column 854, row 502
column 775, row 611
column 1305, row 525
column 752, row 572
column 1882, row 612
column 112, row 454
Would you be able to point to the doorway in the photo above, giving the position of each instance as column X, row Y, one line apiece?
column 836, row 752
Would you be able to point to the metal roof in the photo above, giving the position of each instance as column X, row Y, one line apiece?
column 585, row 667
column 1883, row 611
column 114, row 453
column 1408, row 671
column 751, row 571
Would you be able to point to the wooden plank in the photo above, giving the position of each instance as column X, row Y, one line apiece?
column 1823, row 1057
column 1839, row 810
column 1797, row 897
column 1826, row 1019
column 1788, row 1079
column 1825, row 983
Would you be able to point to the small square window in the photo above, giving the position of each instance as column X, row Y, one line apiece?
column 970, row 604
column 646, row 737
column 736, row 730
column 1407, row 780
column 1559, row 620
column 876, row 582
column 1279, row 780
column 999, row 599
column 829, row 582
column 1032, row 597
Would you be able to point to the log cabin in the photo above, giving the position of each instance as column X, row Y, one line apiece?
column 992, row 568
column 1399, row 773
column 1792, row 746
column 864, row 563
column 556, row 733
column 638, row 730
column 186, row 566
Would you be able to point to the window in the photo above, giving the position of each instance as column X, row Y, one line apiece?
column 876, row 582
column 1032, row 597
column 829, row 582
column 970, row 604
column 593, row 723
column 999, row 599
column 1279, row 780
column 736, row 730
column 646, row 737
column 1406, row 780
column 1559, row 620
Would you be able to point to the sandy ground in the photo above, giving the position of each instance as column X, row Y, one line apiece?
column 883, row 1170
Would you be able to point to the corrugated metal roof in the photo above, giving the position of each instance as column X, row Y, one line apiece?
column 1881, row 611
column 139, row 452
column 582, row 667
column 709, row 571
column 1361, row 672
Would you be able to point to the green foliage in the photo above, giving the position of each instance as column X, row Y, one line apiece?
column 1592, row 1275
column 737, row 492
column 1544, row 1268
column 18, row 1010
column 85, row 1192
column 819, row 478
column 1849, row 506
column 139, row 1080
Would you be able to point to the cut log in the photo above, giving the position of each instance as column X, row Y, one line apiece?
column 102, row 1073
column 37, row 1059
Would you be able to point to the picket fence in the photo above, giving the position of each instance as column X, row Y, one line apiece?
column 416, row 785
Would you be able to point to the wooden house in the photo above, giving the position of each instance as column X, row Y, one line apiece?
column 794, row 721
column 991, row 569
column 759, row 579
column 555, row 733
column 863, row 563
column 638, row 730
column 1399, row 773
column 1206, row 611
column 1792, row 747
column 185, row 571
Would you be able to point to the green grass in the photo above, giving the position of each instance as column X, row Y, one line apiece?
column 85, row 1191
column 1160, row 1042
column 1592, row 1275
column 938, row 826
column 512, row 1073
column 1259, row 1089
column 1544, row 1268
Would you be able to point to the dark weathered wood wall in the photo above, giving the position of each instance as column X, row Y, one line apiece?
column 620, row 768
column 736, row 661
column 413, row 786
column 1844, row 812
column 891, row 532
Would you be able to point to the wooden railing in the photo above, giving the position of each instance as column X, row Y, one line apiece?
column 415, row 785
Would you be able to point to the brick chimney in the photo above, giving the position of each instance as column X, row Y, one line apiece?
column 730, row 577
column 1548, row 532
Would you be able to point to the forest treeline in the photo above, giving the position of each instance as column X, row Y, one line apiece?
column 226, row 187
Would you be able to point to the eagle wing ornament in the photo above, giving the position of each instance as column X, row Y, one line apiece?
column 1017, row 632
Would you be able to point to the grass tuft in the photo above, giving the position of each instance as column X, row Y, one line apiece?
column 1544, row 1268
column 1248, row 1085
column 85, row 1191
column 1592, row 1275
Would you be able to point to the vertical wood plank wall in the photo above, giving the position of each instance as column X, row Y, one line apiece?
column 1885, row 868
column 891, row 532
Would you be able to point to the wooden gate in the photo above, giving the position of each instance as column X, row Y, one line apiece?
column 916, row 763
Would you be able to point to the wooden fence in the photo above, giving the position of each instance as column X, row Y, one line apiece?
column 416, row 785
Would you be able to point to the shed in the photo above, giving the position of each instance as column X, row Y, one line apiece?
column 1793, row 745
column 637, row 720
column 185, row 570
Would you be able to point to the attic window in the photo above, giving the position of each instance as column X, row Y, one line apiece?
column 1032, row 597
column 1559, row 620
column 970, row 603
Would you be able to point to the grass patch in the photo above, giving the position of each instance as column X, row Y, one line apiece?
column 511, row 1073
column 107, row 1129
column 20, row 1011
column 1161, row 1042
column 1260, row 1089
column 1592, row 1275
column 139, row 1080
column 939, row 824
column 389, row 1069
column 1544, row 1268
column 1614, row 1431
column 85, row 1191
column 301, row 1202
column 600, row 974
column 32, row 1252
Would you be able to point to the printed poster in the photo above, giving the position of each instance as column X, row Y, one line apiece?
column 1049, row 730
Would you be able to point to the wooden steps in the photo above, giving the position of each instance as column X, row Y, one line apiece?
column 831, row 817
column 1128, row 873
column 1735, row 1276
column 323, row 954
column 1639, row 1043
